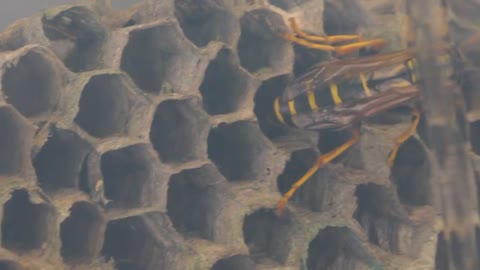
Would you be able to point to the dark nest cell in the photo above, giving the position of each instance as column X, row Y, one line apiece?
column 15, row 141
column 240, row 151
column 104, row 106
column 141, row 242
column 131, row 176
column 266, row 235
column 32, row 85
column 317, row 193
column 411, row 173
column 159, row 60
column 81, row 233
column 179, row 130
column 203, row 21
column 259, row 46
column 236, row 262
column 225, row 86
column 25, row 226
column 60, row 160
column 337, row 248
column 343, row 17
column 195, row 200
column 9, row 265
column 383, row 218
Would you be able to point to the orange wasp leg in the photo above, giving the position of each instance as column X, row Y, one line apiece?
column 404, row 137
column 321, row 161
column 311, row 41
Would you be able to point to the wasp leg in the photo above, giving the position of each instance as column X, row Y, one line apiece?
column 402, row 138
column 322, row 160
column 310, row 41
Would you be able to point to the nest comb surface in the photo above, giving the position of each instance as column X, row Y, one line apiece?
column 138, row 139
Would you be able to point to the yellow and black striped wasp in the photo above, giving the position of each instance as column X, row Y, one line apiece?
column 340, row 93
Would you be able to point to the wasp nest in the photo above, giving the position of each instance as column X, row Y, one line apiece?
column 140, row 139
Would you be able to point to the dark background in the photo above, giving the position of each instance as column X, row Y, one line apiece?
column 12, row 10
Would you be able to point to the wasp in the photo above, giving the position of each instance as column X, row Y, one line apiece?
column 338, row 94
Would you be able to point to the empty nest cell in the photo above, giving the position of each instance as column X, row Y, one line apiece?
column 32, row 85
column 105, row 105
column 179, row 130
column 131, row 176
column 387, row 224
column 15, row 141
column 60, row 160
column 343, row 17
column 411, row 174
column 196, row 198
column 25, row 225
column 81, row 233
column 266, row 235
column 225, row 86
column 160, row 60
column 206, row 20
column 317, row 194
column 240, row 151
column 143, row 242
column 338, row 248
column 259, row 47
column 235, row 262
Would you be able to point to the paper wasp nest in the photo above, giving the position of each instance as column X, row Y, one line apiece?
column 137, row 139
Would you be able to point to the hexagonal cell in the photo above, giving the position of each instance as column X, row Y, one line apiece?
column 32, row 85
column 317, row 194
column 266, row 235
column 81, row 233
column 259, row 47
column 9, row 265
column 60, row 160
column 179, row 130
column 475, row 136
column 195, row 201
column 240, row 151
column 411, row 173
column 146, row 242
column 206, row 20
column 224, row 71
column 80, row 25
column 15, row 141
column 328, row 140
column 161, row 61
column 264, row 99
column 338, row 248
column 105, row 105
column 25, row 225
column 235, row 262
column 132, row 176
column 386, row 222
column 343, row 17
